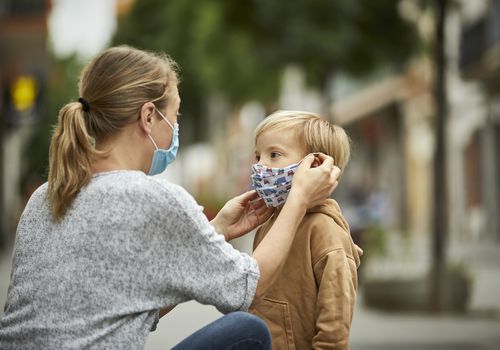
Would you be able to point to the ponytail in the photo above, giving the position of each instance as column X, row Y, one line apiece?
column 70, row 158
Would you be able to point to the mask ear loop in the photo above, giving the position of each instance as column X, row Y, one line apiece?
column 169, row 124
column 164, row 118
column 154, row 143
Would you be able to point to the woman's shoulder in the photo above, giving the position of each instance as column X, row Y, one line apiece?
column 138, row 185
column 40, row 191
column 38, row 196
column 131, row 180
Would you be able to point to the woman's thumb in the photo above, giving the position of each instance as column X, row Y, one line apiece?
column 307, row 161
column 249, row 195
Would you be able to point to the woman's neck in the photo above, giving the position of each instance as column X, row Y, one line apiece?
column 120, row 153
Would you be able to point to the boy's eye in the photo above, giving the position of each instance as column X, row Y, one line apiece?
column 275, row 154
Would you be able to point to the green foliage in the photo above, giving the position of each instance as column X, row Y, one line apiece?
column 239, row 48
column 211, row 203
column 347, row 36
column 374, row 242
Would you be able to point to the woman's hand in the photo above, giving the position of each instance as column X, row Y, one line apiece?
column 241, row 214
column 311, row 186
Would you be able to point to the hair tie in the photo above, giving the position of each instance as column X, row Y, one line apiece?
column 85, row 104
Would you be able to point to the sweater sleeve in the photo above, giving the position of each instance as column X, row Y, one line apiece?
column 335, row 275
column 200, row 264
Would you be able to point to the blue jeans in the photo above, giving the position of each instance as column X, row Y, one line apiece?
column 237, row 330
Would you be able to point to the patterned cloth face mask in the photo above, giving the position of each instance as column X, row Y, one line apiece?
column 273, row 184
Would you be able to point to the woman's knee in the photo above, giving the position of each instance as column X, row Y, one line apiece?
column 236, row 330
column 250, row 329
column 248, row 321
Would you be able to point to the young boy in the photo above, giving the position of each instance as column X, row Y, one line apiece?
column 311, row 303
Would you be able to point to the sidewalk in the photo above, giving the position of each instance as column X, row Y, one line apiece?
column 375, row 330
column 371, row 329
column 411, row 259
column 478, row 329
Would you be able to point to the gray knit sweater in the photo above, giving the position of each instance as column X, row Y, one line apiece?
column 129, row 245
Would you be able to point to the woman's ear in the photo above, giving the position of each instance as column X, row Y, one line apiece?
column 147, row 117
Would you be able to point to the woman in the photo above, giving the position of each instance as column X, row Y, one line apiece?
column 102, row 250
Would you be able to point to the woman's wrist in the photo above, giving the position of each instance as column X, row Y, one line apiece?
column 294, row 207
column 220, row 229
column 297, row 199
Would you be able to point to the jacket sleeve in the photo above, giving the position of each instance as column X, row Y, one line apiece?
column 336, row 278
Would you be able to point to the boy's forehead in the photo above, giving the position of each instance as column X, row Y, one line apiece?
column 283, row 137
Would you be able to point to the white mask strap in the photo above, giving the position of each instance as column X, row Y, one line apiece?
column 154, row 143
column 164, row 118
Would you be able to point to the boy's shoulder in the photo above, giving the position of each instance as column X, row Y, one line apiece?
column 327, row 228
column 327, row 215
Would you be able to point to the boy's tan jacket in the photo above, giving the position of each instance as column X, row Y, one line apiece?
column 311, row 304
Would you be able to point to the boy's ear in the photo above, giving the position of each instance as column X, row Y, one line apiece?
column 147, row 117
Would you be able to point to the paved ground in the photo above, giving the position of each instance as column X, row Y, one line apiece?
column 372, row 330
column 376, row 330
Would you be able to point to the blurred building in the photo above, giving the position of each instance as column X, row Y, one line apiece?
column 391, row 122
column 475, row 122
column 23, row 70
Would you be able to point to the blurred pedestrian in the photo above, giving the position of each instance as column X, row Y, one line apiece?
column 310, row 304
column 102, row 250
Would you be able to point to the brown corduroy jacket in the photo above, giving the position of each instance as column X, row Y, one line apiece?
column 311, row 303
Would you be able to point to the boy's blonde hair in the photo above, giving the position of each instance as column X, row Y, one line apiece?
column 313, row 132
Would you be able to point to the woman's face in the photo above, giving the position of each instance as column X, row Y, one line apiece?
column 162, row 132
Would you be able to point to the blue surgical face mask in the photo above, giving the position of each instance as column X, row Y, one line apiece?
column 163, row 157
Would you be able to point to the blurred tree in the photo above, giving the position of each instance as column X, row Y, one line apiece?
column 240, row 48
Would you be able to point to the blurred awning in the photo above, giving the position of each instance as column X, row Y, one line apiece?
column 368, row 100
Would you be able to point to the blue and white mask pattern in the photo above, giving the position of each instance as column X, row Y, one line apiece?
column 273, row 184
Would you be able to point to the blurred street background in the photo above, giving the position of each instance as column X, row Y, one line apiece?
column 415, row 83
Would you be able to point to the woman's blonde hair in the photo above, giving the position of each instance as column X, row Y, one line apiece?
column 314, row 133
column 114, row 86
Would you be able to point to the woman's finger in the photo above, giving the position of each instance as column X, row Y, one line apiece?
column 335, row 174
column 326, row 162
column 264, row 214
column 258, row 203
column 262, row 209
column 307, row 161
column 247, row 196
column 335, row 185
